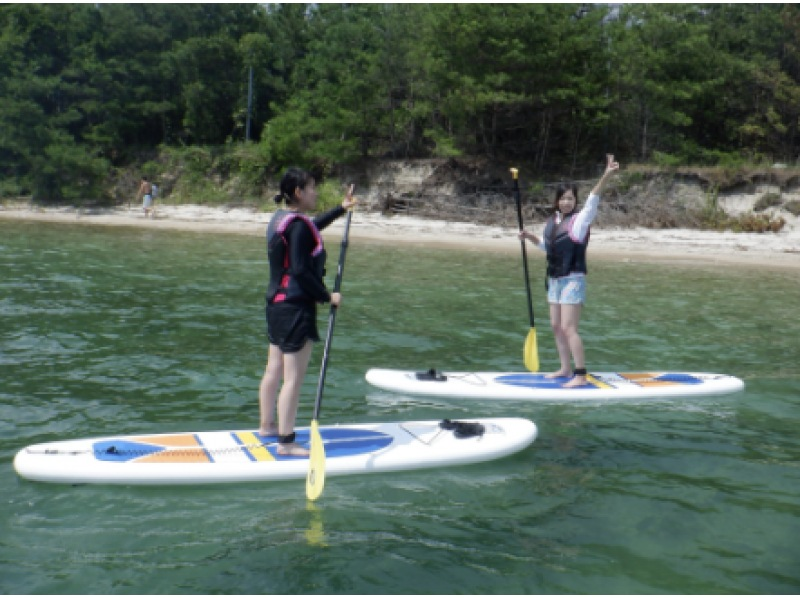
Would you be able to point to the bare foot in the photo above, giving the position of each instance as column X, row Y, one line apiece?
column 575, row 382
column 293, row 450
column 559, row 374
column 268, row 431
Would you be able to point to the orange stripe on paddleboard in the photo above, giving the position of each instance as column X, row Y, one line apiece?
column 181, row 440
column 185, row 449
column 647, row 380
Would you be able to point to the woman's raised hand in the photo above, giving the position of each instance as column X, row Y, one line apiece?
column 611, row 165
column 349, row 200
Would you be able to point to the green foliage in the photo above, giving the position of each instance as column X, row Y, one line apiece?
column 87, row 86
column 768, row 200
column 214, row 175
column 283, row 139
column 67, row 171
column 209, row 70
column 251, row 163
column 536, row 188
column 444, row 146
column 628, row 179
column 747, row 223
column 668, row 161
column 330, row 193
column 153, row 170
column 714, row 218
column 10, row 188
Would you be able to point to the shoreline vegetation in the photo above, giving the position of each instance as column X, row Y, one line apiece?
column 424, row 107
column 213, row 101
column 648, row 214
column 679, row 246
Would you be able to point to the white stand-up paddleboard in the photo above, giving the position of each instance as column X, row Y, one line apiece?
column 525, row 386
column 244, row 456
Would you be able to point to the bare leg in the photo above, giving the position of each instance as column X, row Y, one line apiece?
column 268, row 391
column 561, row 342
column 570, row 318
column 294, row 370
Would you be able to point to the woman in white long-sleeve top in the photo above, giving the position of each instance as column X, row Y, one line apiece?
column 565, row 239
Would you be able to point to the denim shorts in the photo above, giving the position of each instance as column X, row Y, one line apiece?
column 569, row 290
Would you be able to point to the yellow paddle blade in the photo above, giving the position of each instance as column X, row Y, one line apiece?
column 531, row 351
column 315, row 481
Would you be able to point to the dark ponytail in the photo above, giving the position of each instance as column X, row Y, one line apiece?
column 293, row 179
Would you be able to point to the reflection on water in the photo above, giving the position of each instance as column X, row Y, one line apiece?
column 315, row 534
column 125, row 331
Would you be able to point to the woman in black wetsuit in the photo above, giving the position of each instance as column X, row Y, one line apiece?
column 297, row 264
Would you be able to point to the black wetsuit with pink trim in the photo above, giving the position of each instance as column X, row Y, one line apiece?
column 297, row 257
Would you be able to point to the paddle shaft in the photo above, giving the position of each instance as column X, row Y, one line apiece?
column 524, row 251
column 332, row 316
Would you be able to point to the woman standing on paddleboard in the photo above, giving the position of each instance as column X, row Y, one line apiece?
column 297, row 265
column 565, row 239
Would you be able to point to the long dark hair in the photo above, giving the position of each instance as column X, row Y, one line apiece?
column 293, row 179
column 561, row 190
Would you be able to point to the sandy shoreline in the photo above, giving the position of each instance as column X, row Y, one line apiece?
column 774, row 250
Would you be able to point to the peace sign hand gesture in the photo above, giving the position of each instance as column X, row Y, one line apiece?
column 611, row 165
column 611, row 168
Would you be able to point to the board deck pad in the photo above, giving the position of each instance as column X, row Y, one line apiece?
column 593, row 381
column 538, row 386
column 233, row 446
column 244, row 455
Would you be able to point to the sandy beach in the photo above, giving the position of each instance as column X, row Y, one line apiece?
column 684, row 246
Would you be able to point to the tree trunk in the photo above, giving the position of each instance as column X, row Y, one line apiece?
column 645, row 121
column 544, row 140
column 575, row 146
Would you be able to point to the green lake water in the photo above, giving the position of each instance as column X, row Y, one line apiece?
column 116, row 330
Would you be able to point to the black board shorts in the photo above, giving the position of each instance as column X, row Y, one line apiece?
column 291, row 325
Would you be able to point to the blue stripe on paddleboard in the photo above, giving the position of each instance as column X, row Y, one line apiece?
column 679, row 378
column 539, row 381
column 200, row 444
column 123, row 450
column 339, row 442
column 238, row 441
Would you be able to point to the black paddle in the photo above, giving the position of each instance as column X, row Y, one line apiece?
column 530, row 350
column 315, row 481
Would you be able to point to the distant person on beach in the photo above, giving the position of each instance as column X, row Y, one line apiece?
column 146, row 193
column 296, row 256
column 565, row 239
